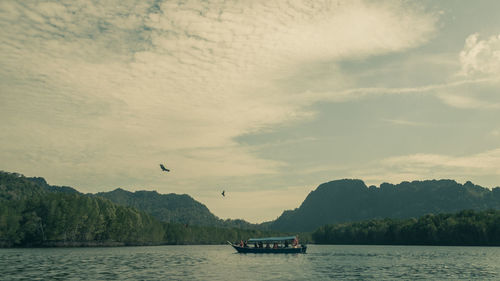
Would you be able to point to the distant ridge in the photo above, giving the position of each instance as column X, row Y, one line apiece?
column 180, row 208
column 351, row 200
column 172, row 208
column 346, row 200
column 35, row 214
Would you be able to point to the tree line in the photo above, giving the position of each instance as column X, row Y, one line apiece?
column 465, row 228
column 31, row 215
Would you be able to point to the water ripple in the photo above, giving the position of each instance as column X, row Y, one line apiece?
column 222, row 263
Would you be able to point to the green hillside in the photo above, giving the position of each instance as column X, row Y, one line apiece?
column 465, row 228
column 173, row 208
column 165, row 207
column 351, row 200
column 32, row 213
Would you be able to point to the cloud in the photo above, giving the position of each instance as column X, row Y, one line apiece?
column 480, row 62
column 423, row 165
column 442, row 91
column 481, row 57
column 403, row 122
column 482, row 168
column 464, row 101
column 474, row 87
column 114, row 88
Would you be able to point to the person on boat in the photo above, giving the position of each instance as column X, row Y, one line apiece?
column 255, row 245
column 286, row 243
column 295, row 242
column 267, row 246
column 261, row 245
column 245, row 244
column 275, row 246
column 241, row 243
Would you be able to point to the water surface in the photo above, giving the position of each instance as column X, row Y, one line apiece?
column 223, row 263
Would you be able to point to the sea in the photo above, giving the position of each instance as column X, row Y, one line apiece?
column 221, row 262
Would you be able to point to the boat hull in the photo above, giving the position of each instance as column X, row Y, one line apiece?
column 251, row 250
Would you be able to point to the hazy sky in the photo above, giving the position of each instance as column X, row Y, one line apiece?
column 263, row 99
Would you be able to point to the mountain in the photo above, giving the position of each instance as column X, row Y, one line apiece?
column 173, row 208
column 350, row 200
column 33, row 213
column 52, row 188
column 14, row 186
column 165, row 207
column 333, row 202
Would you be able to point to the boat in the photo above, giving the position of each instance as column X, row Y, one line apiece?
column 274, row 245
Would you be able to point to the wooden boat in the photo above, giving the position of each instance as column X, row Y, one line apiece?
column 275, row 245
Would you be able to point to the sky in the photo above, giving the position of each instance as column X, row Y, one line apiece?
column 263, row 99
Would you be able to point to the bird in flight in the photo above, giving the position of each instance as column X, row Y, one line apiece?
column 223, row 193
column 163, row 168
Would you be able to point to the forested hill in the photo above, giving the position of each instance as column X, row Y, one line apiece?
column 351, row 200
column 175, row 208
column 53, row 188
column 172, row 208
column 32, row 213
column 165, row 207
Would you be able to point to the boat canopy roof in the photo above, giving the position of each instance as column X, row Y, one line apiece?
column 271, row 239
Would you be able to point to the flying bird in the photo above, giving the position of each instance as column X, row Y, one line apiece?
column 224, row 193
column 163, row 168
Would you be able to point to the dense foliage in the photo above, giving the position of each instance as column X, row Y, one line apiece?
column 464, row 228
column 35, row 214
column 32, row 215
column 174, row 208
column 351, row 200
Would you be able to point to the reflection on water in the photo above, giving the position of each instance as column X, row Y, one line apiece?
column 222, row 263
